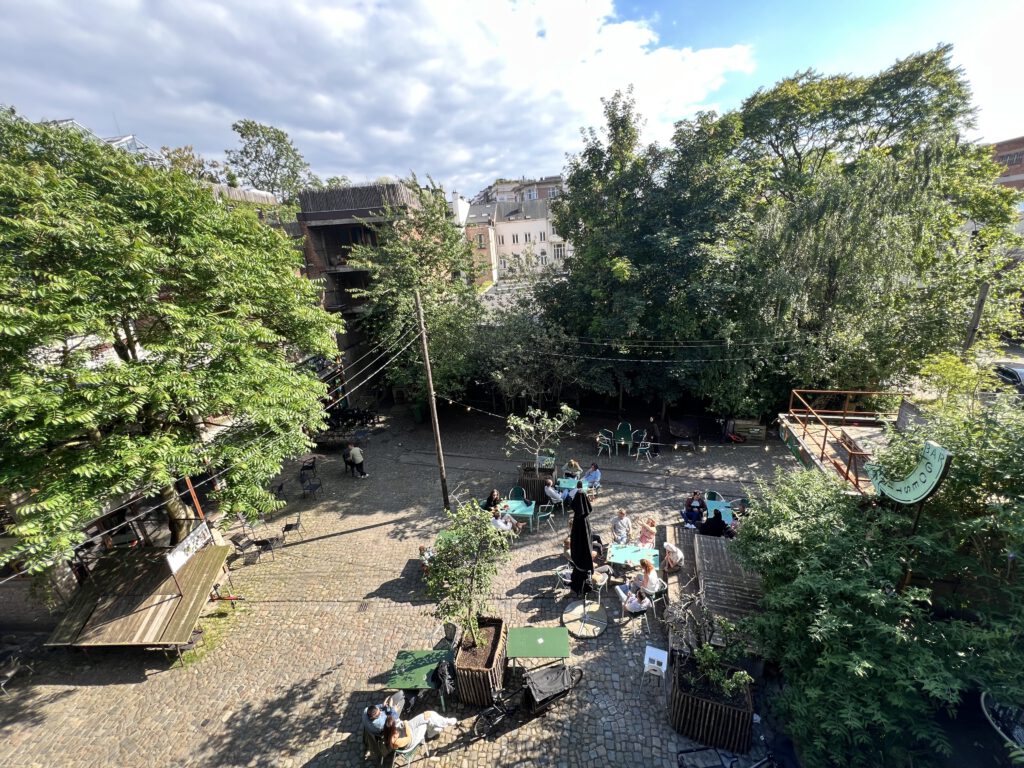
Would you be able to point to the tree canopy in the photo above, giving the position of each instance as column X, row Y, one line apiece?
column 832, row 232
column 203, row 309
column 422, row 249
column 881, row 615
column 268, row 160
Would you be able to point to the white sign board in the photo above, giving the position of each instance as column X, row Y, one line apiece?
column 188, row 546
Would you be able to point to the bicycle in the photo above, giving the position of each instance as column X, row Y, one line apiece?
column 540, row 689
column 768, row 761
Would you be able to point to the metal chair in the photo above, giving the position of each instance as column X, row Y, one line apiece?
column 644, row 449
column 10, row 668
column 639, row 435
column 624, row 436
column 244, row 543
column 308, row 467
column 544, row 513
column 296, row 526
column 517, row 493
column 311, row 485
column 279, row 493
column 408, row 755
column 604, row 442
column 631, row 616
column 655, row 664
column 656, row 596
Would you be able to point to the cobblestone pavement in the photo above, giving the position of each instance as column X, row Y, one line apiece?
column 285, row 682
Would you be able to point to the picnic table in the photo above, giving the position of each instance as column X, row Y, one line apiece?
column 537, row 643
column 625, row 554
column 568, row 483
column 413, row 670
column 520, row 510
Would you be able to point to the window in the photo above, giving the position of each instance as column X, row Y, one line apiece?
column 501, row 239
column 531, row 194
column 504, row 265
column 526, row 237
column 559, row 250
column 515, row 238
column 542, row 235
column 553, row 192
column 479, row 241
column 543, row 261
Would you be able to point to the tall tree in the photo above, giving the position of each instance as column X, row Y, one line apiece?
column 422, row 248
column 882, row 616
column 192, row 164
column 268, row 160
column 204, row 308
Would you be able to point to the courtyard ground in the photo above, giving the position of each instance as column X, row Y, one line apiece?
column 284, row 677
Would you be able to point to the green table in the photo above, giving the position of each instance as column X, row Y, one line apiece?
column 520, row 510
column 568, row 483
column 537, row 643
column 412, row 670
column 621, row 554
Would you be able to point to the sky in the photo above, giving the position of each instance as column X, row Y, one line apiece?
column 463, row 91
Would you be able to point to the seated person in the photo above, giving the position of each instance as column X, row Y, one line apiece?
column 493, row 500
column 402, row 734
column 551, row 493
column 572, row 469
column 714, row 525
column 598, row 548
column 648, row 532
column 694, row 509
column 647, row 579
column 633, row 601
column 622, row 527
column 673, row 560
column 506, row 522
column 375, row 715
column 593, row 476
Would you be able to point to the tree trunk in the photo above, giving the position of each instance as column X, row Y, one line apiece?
column 178, row 515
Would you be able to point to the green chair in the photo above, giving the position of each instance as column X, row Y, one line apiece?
column 518, row 493
column 644, row 449
column 604, row 442
column 408, row 755
column 624, row 436
column 639, row 435
column 544, row 513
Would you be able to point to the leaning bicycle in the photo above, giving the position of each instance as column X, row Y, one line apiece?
column 540, row 689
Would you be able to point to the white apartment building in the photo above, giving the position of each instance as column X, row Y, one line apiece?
column 523, row 236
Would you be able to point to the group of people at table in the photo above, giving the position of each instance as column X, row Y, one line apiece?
column 591, row 479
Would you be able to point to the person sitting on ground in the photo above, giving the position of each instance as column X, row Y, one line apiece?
column 572, row 469
column 714, row 525
column 493, row 500
column 593, row 476
column 673, row 558
column 622, row 527
column 648, row 532
column 647, row 579
column 375, row 715
column 402, row 734
column 694, row 510
column 552, row 494
column 505, row 523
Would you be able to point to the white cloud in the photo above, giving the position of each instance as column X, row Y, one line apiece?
column 458, row 89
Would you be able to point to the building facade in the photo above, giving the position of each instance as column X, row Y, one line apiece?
column 521, row 235
column 520, row 191
column 1010, row 154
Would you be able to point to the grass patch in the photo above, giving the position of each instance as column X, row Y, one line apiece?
column 215, row 626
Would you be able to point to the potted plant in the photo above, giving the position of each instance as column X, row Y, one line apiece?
column 709, row 700
column 467, row 555
column 538, row 433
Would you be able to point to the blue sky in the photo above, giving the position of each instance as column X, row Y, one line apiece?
column 462, row 90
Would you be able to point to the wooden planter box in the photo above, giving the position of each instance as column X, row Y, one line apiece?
column 474, row 685
column 533, row 483
column 711, row 723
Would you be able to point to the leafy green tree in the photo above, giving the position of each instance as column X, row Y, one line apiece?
column 203, row 308
column 192, row 164
column 268, row 160
column 879, row 615
column 465, row 561
column 337, row 182
column 422, row 249
column 537, row 431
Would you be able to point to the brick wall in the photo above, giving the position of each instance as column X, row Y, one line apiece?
column 1010, row 154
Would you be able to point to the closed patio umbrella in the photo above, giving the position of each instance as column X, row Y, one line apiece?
column 579, row 542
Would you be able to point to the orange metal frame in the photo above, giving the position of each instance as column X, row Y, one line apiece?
column 808, row 415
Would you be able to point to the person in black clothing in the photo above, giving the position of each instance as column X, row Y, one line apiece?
column 714, row 525
column 493, row 500
column 654, row 435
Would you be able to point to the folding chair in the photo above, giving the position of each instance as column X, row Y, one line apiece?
column 311, row 485
column 308, row 467
column 294, row 526
column 655, row 664
column 544, row 513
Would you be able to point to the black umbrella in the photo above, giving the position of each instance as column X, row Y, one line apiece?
column 579, row 543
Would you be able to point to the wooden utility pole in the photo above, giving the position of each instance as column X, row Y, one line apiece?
column 432, row 400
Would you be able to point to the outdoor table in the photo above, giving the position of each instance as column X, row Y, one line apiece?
column 520, row 510
column 537, row 643
column 724, row 506
column 621, row 554
column 412, row 670
column 568, row 483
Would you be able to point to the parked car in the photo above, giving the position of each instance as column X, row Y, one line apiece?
column 1012, row 374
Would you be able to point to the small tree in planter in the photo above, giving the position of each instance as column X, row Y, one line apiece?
column 467, row 555
column 537, row 432
column 710, row 700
